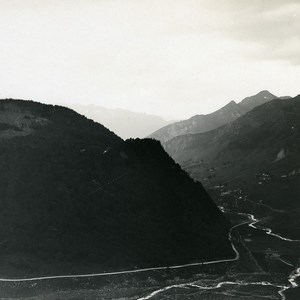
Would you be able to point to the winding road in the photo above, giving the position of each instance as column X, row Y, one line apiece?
column 251, row 222
column 237, row 256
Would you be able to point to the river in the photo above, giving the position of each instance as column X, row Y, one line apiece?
column 252, row 222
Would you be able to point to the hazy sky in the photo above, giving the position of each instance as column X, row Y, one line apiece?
column 167, row 57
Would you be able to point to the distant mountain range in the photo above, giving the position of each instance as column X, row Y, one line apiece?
column 124, row 123
column 203, row 123
column 258, row 152
column 75, row 198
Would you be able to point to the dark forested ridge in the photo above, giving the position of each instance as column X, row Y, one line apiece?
column 74, row 197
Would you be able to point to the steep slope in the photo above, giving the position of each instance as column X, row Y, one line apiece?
column 204, row 123
column 261, row 98
column 200, row 123
column 259, row 152
column 76, row 198
column 265, row 133
column 124, row 123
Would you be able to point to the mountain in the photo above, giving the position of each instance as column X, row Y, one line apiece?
column 124, row 123
column 200, row 123
column 76, row 198
column 204, row 123
column 262, row 97
column 258, row 153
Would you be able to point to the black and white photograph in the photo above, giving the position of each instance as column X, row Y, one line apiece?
column 149, row 149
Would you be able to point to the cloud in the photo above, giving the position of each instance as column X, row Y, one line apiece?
column 271, row 26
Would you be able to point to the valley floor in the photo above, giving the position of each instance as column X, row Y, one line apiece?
column 266, row 266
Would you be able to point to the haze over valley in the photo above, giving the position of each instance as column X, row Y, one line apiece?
column 124, row 123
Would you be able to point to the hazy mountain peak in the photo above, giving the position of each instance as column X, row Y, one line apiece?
column 125, row 123
column 232, row 102
column 260, row 98
column 200, row 123
column 232, row 105
column 264, row 92
column 249, row 133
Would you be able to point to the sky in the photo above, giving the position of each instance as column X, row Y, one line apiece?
column 173, row 58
